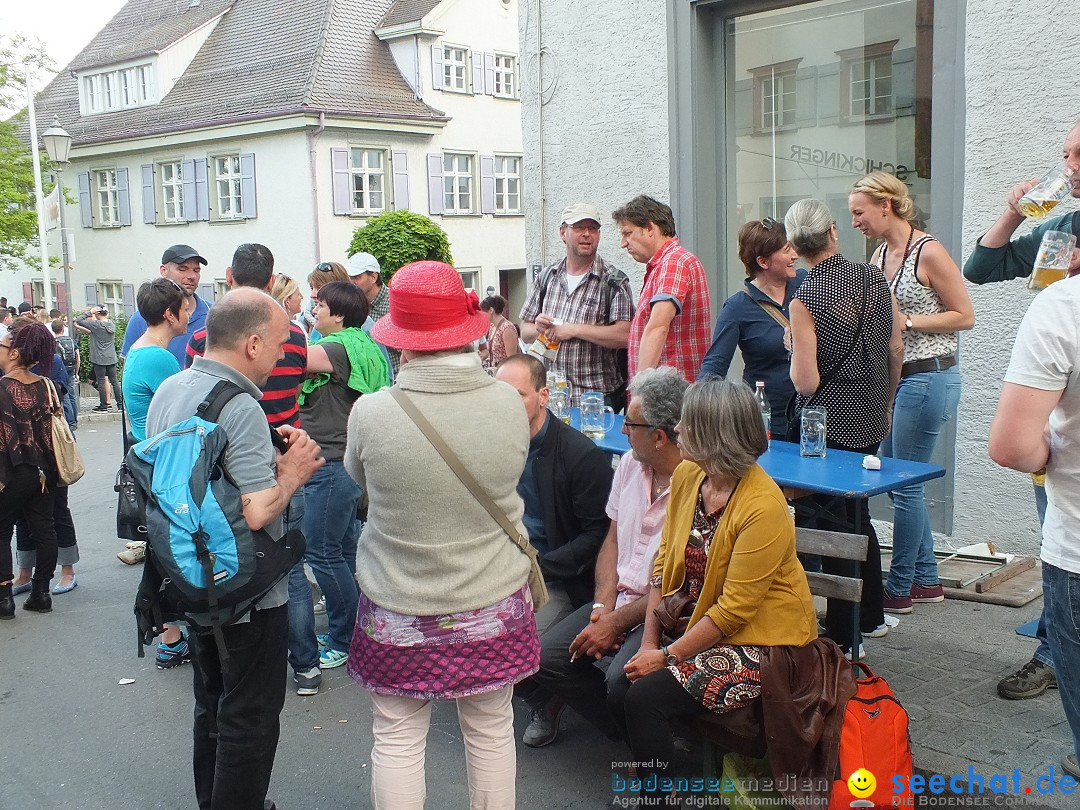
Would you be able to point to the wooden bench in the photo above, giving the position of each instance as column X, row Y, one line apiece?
column 742, row 731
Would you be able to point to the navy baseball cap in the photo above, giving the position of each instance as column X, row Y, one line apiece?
column 178, row 254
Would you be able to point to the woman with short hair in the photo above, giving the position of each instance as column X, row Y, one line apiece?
column 445, row 611
column 845, row 358
column 934, row 308
column 756, row 317
column 727, row 566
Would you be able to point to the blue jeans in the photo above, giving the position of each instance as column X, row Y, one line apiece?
column 303, row 648
column 1061, row 605
column 1042, row 652
column 71, row 403
column 332, row 530
column 924, row 402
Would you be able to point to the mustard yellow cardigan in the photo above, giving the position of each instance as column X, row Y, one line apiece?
column 755, row 589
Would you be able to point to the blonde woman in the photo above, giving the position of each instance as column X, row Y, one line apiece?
column 934, row 307
column 287, row 293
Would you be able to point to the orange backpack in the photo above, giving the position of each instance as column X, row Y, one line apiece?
column 874, row 738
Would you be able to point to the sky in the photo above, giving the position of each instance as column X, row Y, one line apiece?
column 64, row 26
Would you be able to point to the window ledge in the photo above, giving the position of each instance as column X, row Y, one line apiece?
column 460, row 214
column 97, row 227
column 232, row 221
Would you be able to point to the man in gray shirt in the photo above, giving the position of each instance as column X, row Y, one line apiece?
column 237, row 706
column 95, row 320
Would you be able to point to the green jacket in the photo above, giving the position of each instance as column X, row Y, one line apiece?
column 369, row 369
column 1015, row 259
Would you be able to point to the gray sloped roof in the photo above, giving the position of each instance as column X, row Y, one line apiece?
column 264, row 58
column 407, row 11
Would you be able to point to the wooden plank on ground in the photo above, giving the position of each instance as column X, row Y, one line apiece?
column 1004, row 574
column 1025, row 587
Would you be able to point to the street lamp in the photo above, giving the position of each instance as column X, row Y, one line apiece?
column 58, row 145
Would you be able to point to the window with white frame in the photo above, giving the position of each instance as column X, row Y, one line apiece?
column 867, row 84
column 228, row 187
column 507, row 185
column 455, row 68
column 470, row 277
column 457, row 183
column 118, row 89
column 368, row 168
column 171, row 191
column 111, row 295
column 106, row 197
column 39, row 295
column 777, row 101
column 221, row 286
column 505, row 76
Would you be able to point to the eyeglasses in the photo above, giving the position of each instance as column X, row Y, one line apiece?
column 283, row 278
column 585, row 226
column 179, row 289
column 323, row 267
column 638, row 424
column 768, row 223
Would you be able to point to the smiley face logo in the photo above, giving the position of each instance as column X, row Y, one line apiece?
column 861, row 783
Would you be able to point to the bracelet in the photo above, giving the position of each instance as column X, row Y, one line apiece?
column 596, row 605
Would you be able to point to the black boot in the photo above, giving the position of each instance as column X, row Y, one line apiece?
column 39, row 600
column 7, row 603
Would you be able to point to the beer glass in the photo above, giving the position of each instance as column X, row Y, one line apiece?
column 559, row 403
column 812, row 433
column 1052, row 188
column 596, row 417
column 1052, row 260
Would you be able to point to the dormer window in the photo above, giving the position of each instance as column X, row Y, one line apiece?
column 117, row 89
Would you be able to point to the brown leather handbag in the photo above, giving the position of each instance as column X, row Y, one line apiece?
column 674, row 613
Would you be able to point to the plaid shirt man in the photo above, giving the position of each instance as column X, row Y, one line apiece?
column 589, row 367
column 675, row 274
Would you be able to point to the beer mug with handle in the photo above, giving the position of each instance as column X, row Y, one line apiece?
column 596, row 417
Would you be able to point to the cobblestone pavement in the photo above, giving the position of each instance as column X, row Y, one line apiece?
column 72, row 737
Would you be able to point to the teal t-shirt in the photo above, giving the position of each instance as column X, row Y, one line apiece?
column 144, row 370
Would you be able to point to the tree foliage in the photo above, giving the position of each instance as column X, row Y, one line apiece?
column 399, row 237
column 18, row 206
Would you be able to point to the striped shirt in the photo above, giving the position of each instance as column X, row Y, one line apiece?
column 279, row 394
column 675, row 274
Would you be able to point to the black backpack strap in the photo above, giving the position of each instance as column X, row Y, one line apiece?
column 544, row 281
column 220, row 396
column 1076, row 224
column 614, row 281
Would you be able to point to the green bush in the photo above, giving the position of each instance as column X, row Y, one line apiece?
column 399, row 237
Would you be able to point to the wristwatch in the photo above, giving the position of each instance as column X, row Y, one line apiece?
column 907, row 323
column 670, row 659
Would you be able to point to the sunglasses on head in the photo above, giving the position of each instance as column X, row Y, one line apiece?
column 768, row 223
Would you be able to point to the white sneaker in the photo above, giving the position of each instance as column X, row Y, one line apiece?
column 320, row 607
column 883, row 629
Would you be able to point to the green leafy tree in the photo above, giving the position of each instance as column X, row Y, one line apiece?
column 18, row 206
column 399, row 237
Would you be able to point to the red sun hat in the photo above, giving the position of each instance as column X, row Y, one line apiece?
column 430, row 310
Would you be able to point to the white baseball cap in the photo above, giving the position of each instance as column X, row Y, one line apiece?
column 360, row 263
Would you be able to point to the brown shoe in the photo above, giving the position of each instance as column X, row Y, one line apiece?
column 928, row 593
column 1031, row 680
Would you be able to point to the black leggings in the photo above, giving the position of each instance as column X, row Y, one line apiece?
column 649, row 705
column 24, row 497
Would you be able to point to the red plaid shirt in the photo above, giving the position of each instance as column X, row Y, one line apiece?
column 675, row 274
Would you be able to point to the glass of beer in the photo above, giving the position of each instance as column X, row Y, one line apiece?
column 1052, row 188
column 1053, row 259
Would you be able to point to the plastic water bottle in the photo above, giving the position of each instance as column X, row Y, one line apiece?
column 766, row 408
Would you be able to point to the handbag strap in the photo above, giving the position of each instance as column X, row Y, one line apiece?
column 454, row 463
column 832, row 372
column 773, row 312
column 54, row 398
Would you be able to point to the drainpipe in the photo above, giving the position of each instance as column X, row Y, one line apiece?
column 312, row 137
column 540, row 133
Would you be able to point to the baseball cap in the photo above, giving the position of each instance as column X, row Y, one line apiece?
column 577, row 212
column 177, row 254
column 360, row 263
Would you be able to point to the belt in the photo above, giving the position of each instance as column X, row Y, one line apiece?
column 929, row 364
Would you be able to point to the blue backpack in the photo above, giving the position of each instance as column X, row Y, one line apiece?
column 204, row 565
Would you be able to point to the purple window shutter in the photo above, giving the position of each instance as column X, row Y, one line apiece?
column 123, row 196
column 487, row 185
column 489, row 74
column 437, row 67
column 477, row 72
column 202, row 192
column 91, row 294
column 339, row 166
column 436, row 203
column 28, row 291
column 129, row 299
column 191, row 195
column 86, row 208
column 247, row 185
column 61, row 297
column 401, row 181
column 149, row 199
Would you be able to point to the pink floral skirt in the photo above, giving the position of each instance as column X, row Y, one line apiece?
column 451, row 655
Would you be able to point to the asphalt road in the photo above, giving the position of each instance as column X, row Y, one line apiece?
column 70, row 736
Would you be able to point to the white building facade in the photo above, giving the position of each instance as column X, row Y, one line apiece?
column 290, row 126
column 733, row 109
